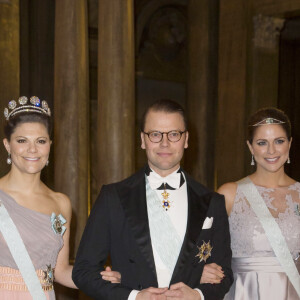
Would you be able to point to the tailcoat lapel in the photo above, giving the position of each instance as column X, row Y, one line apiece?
column 197, row 210
column 133, row 198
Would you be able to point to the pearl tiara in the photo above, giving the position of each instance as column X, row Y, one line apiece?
column 23, row 105
column 268, row 121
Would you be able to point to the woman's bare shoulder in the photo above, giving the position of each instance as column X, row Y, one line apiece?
column 62, row 201
column 229, row 191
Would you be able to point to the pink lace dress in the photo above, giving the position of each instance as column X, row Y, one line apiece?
column 257, row 273
column 42, row 243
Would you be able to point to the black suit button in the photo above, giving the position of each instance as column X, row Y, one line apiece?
column 140, row 287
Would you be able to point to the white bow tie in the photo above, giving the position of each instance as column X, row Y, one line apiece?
column 172, row 180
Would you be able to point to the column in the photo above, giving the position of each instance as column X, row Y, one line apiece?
column 232, row 88
column 9, row 63
column 71, row 100
column 202, row 88
column 116, row 103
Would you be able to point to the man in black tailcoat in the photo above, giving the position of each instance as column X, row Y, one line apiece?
column 159, row 226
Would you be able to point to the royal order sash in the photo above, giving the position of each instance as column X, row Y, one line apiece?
column 272, row 231
column 20, row 254
column 164, row 236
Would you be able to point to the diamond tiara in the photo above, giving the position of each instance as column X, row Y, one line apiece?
column 23, row 105
column 268, row 121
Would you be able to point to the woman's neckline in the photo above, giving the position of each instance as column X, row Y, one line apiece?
column 24, row 207
column 274, row 188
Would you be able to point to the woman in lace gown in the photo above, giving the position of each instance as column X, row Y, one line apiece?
column 257, row 271
column 42, row 217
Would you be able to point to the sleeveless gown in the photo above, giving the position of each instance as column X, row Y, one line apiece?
column 257, row 273
column 41, row 242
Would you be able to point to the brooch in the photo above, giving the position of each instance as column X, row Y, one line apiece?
column 297, row 209
column 57, row 223
column 204, row 251
column 49, row 275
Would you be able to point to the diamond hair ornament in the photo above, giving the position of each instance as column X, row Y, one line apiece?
column 268, row 121
column 23, row 105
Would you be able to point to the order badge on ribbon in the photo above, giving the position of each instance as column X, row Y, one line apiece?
column 204, row 251
column 57, row 223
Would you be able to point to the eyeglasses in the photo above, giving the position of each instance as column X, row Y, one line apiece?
column 157, row 136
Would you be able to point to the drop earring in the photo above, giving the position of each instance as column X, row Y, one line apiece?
column 8, row 161
column 252, row 161
column 47, row 163
column 288, row 160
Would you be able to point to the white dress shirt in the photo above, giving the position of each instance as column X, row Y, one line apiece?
column 178, row 213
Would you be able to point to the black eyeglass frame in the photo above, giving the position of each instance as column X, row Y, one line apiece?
column 167, row 133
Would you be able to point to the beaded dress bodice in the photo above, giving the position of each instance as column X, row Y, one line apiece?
column 248, row 238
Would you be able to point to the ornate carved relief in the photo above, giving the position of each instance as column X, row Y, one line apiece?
column 267, row 31
column 166, row 33
column 162, row 50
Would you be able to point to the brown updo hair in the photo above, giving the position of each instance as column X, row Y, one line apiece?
column 26, row 117
column 264, row 113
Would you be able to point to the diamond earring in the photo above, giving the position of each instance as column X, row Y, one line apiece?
column 8, row 161
column 252, row 161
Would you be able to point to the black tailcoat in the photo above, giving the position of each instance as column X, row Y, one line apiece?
column 118, row 226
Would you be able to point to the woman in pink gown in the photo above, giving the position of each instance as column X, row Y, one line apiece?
column 41, row 216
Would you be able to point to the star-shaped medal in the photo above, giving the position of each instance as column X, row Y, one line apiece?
column 204, row 251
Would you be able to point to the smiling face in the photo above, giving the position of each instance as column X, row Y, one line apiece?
column 164, row 157
column 29, row 147
column 270, row 147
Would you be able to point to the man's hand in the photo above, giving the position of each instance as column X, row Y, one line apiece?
column 181, row 291
column 112, row 276
column 212, row 273
column 152, row 294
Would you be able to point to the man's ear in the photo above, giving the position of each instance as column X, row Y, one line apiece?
column 186, row 144
column 143, row 145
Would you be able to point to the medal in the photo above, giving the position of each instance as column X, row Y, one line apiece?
column 49, row 275
column 57, row 223
column 166, row 204
column 204, row 251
